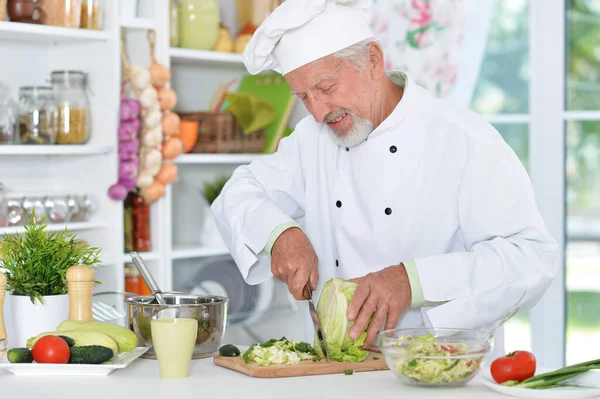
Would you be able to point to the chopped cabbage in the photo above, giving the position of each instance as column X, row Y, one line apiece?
column 335, row 326
column 279, row 351
column 435, row 370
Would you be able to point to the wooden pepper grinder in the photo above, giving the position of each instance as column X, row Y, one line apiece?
column 3, row 345
column 80, row 287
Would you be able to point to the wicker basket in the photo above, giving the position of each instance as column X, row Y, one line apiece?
column 220, row 133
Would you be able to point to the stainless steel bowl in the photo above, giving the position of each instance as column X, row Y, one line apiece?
column 209, row 310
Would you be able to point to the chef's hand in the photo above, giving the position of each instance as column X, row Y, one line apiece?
column 385, row 293
column 294, row 261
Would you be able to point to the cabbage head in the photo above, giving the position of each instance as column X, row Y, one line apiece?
column 335, row 326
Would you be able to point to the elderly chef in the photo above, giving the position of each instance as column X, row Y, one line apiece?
column 419, row 201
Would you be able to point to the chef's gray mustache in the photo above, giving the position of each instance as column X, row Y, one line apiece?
column 333, row 115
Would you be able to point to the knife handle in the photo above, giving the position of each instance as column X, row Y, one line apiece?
column 306, row 293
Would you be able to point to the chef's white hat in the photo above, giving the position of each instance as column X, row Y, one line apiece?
column 301, row 31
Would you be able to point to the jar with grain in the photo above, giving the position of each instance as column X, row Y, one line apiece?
column 73, row 106
column 65, row 13
column 91, row 14
column 38, row 116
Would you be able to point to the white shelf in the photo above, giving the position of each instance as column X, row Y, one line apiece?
column 146, row 256
column 187, row 56
column 217, row 158
column 197, row 252
column 54, row 149
column 42, row 34
column 56, row 227
column 137, row 23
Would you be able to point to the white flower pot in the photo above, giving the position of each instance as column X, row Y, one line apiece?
column 211, row 237
column 31, row 319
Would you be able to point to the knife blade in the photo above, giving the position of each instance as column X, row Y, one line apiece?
column 316, row 322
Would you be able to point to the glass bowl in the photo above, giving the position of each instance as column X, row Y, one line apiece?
column 434, row 356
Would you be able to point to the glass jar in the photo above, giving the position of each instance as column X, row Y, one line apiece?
column 91, row 15
column 127, row 224
column 132, row 279
column 73, row 106
column 173, row 24
column 198, row 22
column 37, row 115
column 140, row 216
column 3, row 207
column 65, row 13
column 7, row 116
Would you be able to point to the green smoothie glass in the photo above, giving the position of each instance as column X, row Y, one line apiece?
column 174, row 340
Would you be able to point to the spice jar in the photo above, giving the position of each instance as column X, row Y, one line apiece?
column 140, row 216
column 73, row 106
column 65, row 13
column 7, row 116
column 37, row 115
column 91, row 14
column 132, row 279
column 127, row 224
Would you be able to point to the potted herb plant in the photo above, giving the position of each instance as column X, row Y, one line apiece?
column 35, row 264
column 210, row 191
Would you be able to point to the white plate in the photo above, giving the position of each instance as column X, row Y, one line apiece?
column 555, row 393
column 120, row 361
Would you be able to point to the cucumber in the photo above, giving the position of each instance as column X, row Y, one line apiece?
column 125, row 338
column 90, row 354
column 70, row 341
column 19, row 355
column 229, row 350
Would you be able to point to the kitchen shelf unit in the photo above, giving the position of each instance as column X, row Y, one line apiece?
column 30, row 52
column 178, row 217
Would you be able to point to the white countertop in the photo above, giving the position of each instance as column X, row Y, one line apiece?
column 141, row 380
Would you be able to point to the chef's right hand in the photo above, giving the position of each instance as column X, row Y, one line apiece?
column 294, row 261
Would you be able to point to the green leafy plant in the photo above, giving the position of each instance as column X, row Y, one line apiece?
column 36, row 262
column 211, row 190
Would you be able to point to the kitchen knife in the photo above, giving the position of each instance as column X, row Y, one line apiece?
column 316, row 322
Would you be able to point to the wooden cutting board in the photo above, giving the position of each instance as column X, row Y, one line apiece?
column 306, row 368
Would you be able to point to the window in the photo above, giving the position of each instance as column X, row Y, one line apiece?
column 502, row 94
column 583, row 180
column 553, row 125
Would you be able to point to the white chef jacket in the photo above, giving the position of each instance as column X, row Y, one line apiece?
column 434, row 183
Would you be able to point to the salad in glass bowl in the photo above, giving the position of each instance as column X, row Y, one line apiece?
column 434, row 356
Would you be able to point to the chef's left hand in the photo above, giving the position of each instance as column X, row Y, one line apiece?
column 386, row 293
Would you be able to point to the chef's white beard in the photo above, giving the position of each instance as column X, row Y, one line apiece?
column 361, row 128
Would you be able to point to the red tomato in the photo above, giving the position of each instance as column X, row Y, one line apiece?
column 51, row 349
column 516, row 366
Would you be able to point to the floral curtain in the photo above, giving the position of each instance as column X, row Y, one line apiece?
column 425, row 38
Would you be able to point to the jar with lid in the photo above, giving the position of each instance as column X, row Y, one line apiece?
column 198, row 22
column 37, row 115
column 65, row 13
column 7, row 116
column 73, row 106
column 91, row 14
column 140, row 215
